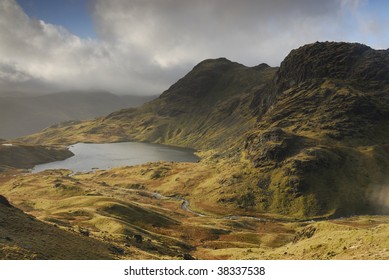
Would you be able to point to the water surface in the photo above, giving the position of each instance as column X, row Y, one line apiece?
column 88, row 157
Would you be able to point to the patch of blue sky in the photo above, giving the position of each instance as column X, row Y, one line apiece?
column 74, row 15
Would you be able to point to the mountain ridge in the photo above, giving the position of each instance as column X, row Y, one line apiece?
column 316, row 125
column 184, row 108
column 315, row 129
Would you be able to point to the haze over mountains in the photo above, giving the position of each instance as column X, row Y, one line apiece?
column 26, row 113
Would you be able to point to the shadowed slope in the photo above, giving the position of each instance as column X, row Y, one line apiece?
column 18, row 155
column 24, row 237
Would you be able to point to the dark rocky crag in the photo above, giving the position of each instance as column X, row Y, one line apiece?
column 321, row 141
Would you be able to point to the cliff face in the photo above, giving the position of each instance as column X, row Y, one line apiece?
column 321, row 141
column 355, row 63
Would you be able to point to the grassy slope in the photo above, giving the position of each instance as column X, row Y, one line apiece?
column 117, row 204
column 43, row 241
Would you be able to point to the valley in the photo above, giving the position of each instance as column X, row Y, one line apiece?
column 120, row 210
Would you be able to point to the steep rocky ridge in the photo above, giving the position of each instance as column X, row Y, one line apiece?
column 321, row 141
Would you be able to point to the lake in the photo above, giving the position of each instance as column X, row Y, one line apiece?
column 88, row 157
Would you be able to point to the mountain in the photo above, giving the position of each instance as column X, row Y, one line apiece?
column 290, row 156
column 306, row 140
column 22, row 113
column 321, row 140
column 203, row 109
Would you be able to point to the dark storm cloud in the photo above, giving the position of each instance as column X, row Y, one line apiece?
column 143, row 46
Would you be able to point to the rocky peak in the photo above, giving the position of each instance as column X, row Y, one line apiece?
column 353, row 64
column 202, row 79
column 334, row 60
column 215, row 63
column 261, row 67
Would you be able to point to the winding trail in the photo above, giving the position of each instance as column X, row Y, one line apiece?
column 184, row 202
column 185, row 206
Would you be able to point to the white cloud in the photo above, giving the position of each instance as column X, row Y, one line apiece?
column 145, row 45
column 33, row 49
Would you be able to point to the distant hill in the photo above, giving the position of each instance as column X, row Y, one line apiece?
column 18, row 155
column 22, row 113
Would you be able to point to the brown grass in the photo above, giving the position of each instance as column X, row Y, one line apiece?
column 114, row 205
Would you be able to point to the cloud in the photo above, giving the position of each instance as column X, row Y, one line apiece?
column 379, row 198
column 143, row 46
column 32, row 50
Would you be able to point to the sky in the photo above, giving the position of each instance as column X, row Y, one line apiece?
column 144, row 46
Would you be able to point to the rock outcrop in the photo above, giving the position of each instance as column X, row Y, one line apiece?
column 323, row 125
